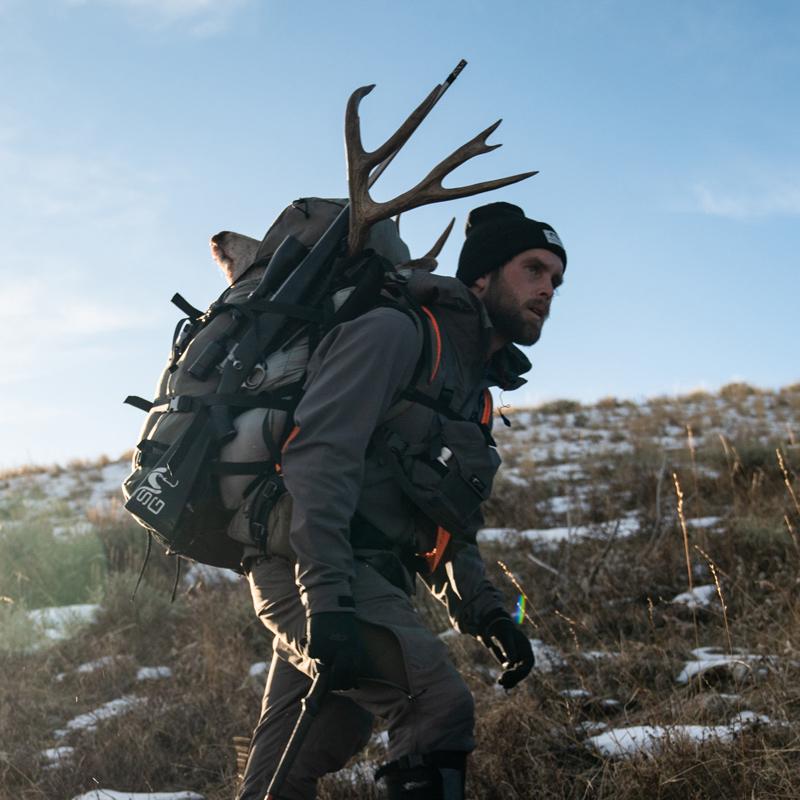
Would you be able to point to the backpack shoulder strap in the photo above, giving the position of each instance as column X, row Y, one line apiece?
column 426, row 379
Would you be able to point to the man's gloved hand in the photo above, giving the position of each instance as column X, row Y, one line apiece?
column 509, row 646
column 333, row 639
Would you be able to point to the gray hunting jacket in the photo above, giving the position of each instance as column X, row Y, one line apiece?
column 354, row 381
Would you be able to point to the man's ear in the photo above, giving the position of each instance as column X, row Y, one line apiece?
column 480, row 285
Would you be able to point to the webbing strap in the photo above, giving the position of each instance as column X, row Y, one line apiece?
column 269, row 439
column 416, row 396
column 182, row 402
column 305, row 313
column 267, row 400
column 184, row 305
column 241, row 467
column 444, row 409
column 138, row 402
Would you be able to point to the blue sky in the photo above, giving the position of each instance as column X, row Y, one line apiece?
column 666, row 136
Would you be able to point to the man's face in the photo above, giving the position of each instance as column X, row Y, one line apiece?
column 517, row 296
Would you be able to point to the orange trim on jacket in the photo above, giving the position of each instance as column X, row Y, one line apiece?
column 433, row 557
column 437, row 333
column 488, row 407
column 290, row 438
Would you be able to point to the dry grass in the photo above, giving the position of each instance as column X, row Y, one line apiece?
column 606, row 593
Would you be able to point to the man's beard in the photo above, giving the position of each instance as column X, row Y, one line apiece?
column 509, row 319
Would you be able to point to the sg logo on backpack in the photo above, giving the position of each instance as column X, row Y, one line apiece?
column 148, row 495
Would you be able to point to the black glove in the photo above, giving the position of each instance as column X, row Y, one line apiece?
column 334, row 640
column 509, row 646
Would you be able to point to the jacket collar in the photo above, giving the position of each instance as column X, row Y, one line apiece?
column 509, row 363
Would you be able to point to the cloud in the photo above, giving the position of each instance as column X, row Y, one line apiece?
column 54, row 323
column 43, row 190
column 759, row 197
column 71, row 224
column 201, row 18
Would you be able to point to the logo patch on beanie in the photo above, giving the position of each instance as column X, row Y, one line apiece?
column 552, row 237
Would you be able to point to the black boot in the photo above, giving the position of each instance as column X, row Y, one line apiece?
column 433, row 776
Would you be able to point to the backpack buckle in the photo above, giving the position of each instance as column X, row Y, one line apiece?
column 180, row 402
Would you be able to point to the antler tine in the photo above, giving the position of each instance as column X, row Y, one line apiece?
column 352, row 128
column 360, row 162
column 439, row 244
column 428, row 262
column 428, row 190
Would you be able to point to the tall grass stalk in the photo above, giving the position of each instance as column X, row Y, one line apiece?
column 685, row 532
column 715, row 574
column 572, row 625
column 786, row 480
column 510, row 575
column 792, row 532
column 693, row 453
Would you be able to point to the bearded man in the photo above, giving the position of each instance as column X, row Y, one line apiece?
column 385, row 471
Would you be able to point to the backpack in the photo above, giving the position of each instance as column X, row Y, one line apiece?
column 202, row 451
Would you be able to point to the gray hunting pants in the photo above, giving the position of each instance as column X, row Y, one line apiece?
column 408, row 681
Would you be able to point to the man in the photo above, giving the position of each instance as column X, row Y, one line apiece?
column 380, row 458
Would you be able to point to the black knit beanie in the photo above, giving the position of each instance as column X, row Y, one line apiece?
column 496, row 233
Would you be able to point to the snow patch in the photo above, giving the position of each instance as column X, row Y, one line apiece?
column 153, row 673
column 258, row 669
column 109, row 487
column 560, row 472
column 699, row 597
column 56, row 756
column 90, row 720
column 620, row 742
column 58, row 622
column 590, row 728
column 560, row 505
column 703, row 522
column 650, row 738
column 93, row 666
column 598, row 655
column 739, row 663
column 208, row 576
column 547, row 658
column 625, row 526
column 100, row 663
column 575, row 694
column 515, row 479
column 494, row 534
column 78, row 528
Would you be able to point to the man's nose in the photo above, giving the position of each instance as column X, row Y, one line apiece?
column 545, row 289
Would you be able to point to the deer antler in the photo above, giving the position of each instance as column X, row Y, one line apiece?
column 364, row 211
column 428, row 262
column 439, row 243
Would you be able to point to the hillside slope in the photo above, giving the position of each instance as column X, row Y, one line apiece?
column 652, row 553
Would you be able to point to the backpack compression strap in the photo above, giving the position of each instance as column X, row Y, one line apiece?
column 285, row 400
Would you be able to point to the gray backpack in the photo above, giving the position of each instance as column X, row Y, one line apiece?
column 201, row 450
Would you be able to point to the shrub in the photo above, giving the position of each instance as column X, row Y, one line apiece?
column 562, row 406
column 737, row 391
column 38, row 568
column 17, row 635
